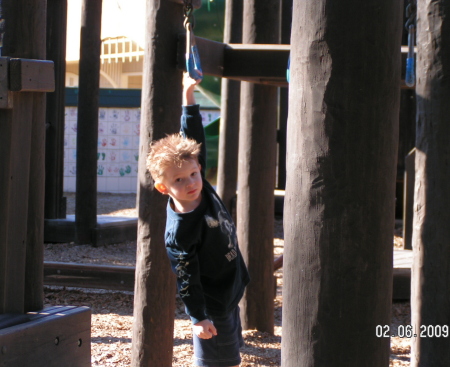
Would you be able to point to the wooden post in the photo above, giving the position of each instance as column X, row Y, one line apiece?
column 154, row 300
column 54, row 145
column 229, row 118
column 34, row 261
column 408, row 199
column 87, row 123
column 286, row 20
column 430, row 300
column 340, row 191
column 22, row 173
column 256, row 173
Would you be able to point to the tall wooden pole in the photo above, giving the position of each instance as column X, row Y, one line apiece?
column 54, row 146
column 286, row 20
column 22, row 131
column 87, row 122
column 256, row 173
column 229, row 118
column 34, row 266
column 430, row 299
column 154, row 300
column 340, row 192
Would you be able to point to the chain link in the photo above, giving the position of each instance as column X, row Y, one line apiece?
column 188, row 8
column 411, row 13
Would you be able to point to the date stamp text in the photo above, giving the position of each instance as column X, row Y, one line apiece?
column 408, row 331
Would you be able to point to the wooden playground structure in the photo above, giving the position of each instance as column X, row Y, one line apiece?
column 340, row 174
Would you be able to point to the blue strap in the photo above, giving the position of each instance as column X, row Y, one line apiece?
column 193, row 65
column 288, row 70
column 410, row 77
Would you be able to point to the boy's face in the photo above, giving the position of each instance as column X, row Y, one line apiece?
column 184, row 184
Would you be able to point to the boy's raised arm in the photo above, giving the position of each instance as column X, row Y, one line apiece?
column 188, row 90
column 191, row 120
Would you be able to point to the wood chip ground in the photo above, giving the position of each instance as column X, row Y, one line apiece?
column 112, row 311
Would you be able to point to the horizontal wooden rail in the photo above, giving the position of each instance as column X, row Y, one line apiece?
column 89, row 276
column 256, row 63
column 24, row 75
column 31, row 75
column 122, row 277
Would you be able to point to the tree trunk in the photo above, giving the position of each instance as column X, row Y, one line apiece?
column 256, row 173
column 154, row 301
column 87, row 122
column 340, row 192
column 430, row 299
column 229, row 119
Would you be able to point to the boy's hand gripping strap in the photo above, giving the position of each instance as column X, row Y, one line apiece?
column 193, row 65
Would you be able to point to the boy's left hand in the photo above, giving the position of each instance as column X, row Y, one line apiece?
column 189, row 82
column 188, row 89
column 205, row 329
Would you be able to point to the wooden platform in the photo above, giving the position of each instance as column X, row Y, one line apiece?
column 110, row 229
column 54, row 337
column 402, row 274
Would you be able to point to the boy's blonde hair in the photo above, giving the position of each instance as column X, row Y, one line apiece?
column 171, row 150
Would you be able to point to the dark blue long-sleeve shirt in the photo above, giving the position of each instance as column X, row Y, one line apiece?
column 202, row 244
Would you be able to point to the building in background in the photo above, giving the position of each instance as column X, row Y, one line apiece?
column 122, row 54
column 122, row 43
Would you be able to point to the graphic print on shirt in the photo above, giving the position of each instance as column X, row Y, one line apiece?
column 183, row 276
column 226, row 226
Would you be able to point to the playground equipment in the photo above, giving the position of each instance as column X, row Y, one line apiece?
column 340, row 190
column 29, row 336
column 263, row 64
column 431, row 248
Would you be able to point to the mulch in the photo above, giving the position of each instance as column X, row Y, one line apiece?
column 112, row 311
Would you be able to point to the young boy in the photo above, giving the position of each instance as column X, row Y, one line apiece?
column 200, row 240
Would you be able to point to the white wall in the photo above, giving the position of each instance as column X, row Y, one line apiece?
column 118, row 148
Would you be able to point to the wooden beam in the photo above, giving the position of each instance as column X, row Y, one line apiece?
column 21, row 148
column 39, row 78
column 87, row 133
column 408, row 199
column 89, row 276
column 340, row 190
column 286, row 21
column 54, row 337
column 255, row 63
column 5, row 94
column 154, row 296
column 55, row 204
column 229, row 116
column 31, row 75
column 211, row 55
column 256, row 170
column 430, row 284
